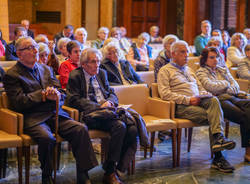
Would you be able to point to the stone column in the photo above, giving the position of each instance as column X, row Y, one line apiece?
column 4, row 19
column 106, row 13
column 73, row 12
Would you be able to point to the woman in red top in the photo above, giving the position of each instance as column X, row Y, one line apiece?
column 73, row 48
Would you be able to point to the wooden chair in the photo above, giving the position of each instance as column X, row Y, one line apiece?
column 243, row 83
column 150, row 109
column 147, row 77
column 181, row 123
column 27, row 140
column 9, row 138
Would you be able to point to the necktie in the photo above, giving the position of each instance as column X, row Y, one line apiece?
column 91, row 91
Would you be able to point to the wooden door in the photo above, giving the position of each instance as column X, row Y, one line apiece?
column 140, row 15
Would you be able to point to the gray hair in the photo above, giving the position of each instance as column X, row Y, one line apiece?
column 206, row 22
column 110, row 45
column 174, row 46
column 154, row 27
column 81, row 29
column 214, row 39
column 109, row 40
column 103, row 29
column 235, row 36
column 41, row 38
column 20, row 41
column 62, row 41
column 144, row 35
column 246, row 30
column 43, row 48
column 85, row 55
column 169, row 37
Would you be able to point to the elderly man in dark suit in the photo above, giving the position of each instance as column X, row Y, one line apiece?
column 26, row 83
column 88, row 90
column 120, row 72
column 26, row 24
column 10, row 52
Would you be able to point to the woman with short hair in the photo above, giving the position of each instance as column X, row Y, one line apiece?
column 219, row 82
column 235, row 53
column 140, row 53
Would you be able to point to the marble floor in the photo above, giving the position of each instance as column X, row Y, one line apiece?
column 194, row 169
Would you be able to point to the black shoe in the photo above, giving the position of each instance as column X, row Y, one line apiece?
column 222, row 165
column 83, row 178
column 222, row 143
column 47, row 180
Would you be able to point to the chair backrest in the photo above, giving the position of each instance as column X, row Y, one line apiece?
column 155, row 94
column 7, row 63
column 154, row 90
column 194, row 63
column 5, row 101
column 147, row 77
column 137, row 95
column 244, row 85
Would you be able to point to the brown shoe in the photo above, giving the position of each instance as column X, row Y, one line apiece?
column 111, row 179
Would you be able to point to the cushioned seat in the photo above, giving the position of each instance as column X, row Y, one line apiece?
column 150, row 109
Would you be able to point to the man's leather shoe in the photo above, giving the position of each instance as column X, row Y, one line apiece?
column 47, row 180
column 111, row 179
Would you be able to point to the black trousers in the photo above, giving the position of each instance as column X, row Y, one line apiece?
column 122, row 145
column 74, row 132
column 238, row 111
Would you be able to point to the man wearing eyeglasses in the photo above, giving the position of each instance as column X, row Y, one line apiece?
column 176, row 82
column 26, row 83
column 88, row 91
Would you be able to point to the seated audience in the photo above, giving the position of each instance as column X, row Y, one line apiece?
column 43, row 53
column 10, row 52
column 66, row 32
column 88, row 91
column 235, row 53
column 154, row 35
column 3, row 45
column 26, row 25
column 126, row 42
column 62, row 47
column 177, row 82
column 220, row 83
column 102, row 35
column 81, row 36
column 244, row 66
column 165, row 55
column 201, row 40
column 119, row 72
column 216, row 32
column 140, row 53
column 74, row 51
column 115, row 32
column 226, row 41
column 42, row 38
column 51, row 59
column 25, row 93
column 215, row 41
column 247, row 34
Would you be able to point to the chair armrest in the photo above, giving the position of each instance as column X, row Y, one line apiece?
column 11, row 122
column 73, row 113
column 159, row 108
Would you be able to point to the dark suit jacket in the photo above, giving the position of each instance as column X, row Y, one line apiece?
column 30, row 33
column 10, row 52
column 114, row 76
column 57, row 37
column 77, row 91
column 25, row 93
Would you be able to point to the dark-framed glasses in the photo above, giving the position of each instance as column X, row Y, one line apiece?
column 31, row 47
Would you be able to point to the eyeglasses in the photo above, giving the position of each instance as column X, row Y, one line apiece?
column 31, row 47
column 98, row 62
